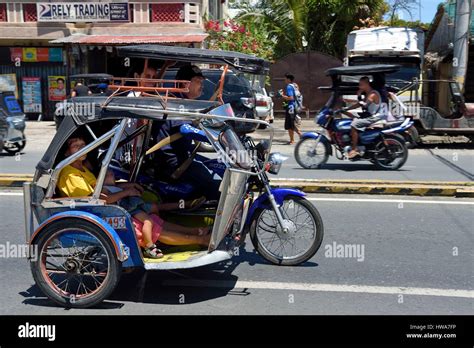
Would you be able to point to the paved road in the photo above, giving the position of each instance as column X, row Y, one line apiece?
column 447, row 164
column 419, row 247
column 422, row 165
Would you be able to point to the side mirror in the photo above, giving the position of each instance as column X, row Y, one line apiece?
column 271, row 94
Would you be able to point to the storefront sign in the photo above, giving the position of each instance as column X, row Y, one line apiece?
column 57, row 88
column 36, row 54
column 31, row 87
column 83, row 11
column 29, row 54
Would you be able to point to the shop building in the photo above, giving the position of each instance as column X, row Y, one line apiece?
column 43, row 43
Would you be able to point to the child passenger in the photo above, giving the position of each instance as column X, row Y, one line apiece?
column 153, row 226
column 77, row 180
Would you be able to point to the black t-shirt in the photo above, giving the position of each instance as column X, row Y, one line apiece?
column 81, row 91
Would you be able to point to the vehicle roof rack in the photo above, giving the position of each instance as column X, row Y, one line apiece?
column 239, row 61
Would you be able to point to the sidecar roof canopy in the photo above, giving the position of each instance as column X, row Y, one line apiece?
column 239, row 61
column 118, row 107
column 363, row 69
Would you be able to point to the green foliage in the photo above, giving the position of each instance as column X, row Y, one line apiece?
column 282, row 27
column 299, row 25
column 248, row 38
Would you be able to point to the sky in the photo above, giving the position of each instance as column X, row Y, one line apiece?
column 428, row 11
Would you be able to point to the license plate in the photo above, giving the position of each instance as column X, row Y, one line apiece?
column 117, row 222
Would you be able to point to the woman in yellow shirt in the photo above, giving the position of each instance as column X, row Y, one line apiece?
column 76, row 180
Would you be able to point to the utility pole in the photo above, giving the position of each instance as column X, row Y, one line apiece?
column 461, row 40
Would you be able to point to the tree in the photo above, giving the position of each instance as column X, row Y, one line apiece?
column 300, row 25
column 233, row 36
column 397, row 6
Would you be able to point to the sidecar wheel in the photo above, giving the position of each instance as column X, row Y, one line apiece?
column 266, row 235
column 76, row 264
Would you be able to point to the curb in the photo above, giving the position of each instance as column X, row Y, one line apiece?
column 14, row 180
column 379, row 187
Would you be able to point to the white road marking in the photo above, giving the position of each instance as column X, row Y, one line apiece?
column 322, row 199
column 375, row 200
column 363, row 289
column 11, row 193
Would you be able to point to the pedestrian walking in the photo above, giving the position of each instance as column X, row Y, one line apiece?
column 293, row 103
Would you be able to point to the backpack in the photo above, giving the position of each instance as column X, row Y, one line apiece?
column 298, row 98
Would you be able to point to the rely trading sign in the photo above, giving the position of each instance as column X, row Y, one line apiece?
column 104, row 11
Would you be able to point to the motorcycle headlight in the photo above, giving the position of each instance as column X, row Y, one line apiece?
column 275, row 161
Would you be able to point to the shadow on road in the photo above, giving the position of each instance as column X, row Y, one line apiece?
column 349, row 167
column 6, row 154
column 453, row 166
column 166, row 287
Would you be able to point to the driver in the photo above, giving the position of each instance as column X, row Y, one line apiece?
column 175, row 157
column 374, row 109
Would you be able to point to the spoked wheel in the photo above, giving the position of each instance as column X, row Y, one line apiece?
column 392, row 154
column 76, row 265
column 301, row 240
column 311, row 153
column 13, row 148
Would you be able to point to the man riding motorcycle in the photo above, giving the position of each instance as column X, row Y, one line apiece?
column 175, row 160
column 375, row 109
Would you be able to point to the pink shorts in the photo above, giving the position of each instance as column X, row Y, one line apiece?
column 156, row 231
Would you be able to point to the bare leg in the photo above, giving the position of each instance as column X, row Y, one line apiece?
column 169, row 226
column 291, row 133
column 355, row 139
column 176, row 238
column 147, row 227
column 298, row 131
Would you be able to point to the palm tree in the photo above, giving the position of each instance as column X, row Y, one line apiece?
column 286, row 22
column 299, row 25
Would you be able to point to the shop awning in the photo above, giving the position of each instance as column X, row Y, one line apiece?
column 105, row 40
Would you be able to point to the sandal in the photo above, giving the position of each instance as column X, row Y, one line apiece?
column 195, row 203
column 353, row 154
column 204, row 231
column 152, row 252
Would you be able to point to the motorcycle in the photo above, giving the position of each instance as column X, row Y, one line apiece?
column 83, row 243
column 13, row 140
column 383, row 143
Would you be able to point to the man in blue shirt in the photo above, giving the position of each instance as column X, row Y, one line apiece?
column 289, row 96
column 172, row 156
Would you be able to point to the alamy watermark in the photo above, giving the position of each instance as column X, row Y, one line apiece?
column 65, row 108
column 18, row 251
column 345, row 251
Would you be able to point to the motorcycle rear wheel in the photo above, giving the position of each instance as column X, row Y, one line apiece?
column 384, row 160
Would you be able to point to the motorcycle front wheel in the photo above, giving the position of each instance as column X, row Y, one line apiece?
column 299, row 244
column 311, row 153
column 14, row 148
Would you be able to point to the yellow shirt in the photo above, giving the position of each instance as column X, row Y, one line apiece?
column 76, row 183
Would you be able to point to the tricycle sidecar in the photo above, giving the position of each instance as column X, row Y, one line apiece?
column 83, row 243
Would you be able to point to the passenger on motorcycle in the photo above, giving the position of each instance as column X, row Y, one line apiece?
column 374, row 108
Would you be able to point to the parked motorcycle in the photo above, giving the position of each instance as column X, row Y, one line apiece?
column 12, row 124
